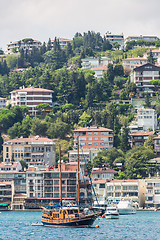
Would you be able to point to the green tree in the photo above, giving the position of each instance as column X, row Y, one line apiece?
column 84, row 120
column 150, row 58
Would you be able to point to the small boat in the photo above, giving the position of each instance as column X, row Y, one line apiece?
column 37, row 224
column 70, row 216
column 111, row 213
column 125, row 207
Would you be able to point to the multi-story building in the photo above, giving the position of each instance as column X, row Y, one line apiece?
column 84, row 156
column 99, row 71
column 112, row 38
column 44, row 186
column 127, row 189
column 152, row 193
column 157, row 145
column 62, row 42
column 2, row 102
column 25, row 44
column 93, row 63
column 34, row 149
column 142, row 76
column 131, row 63
column 141, row 37
column 31, row 97
column 103, row 173
column 18, row 179
column 147, row 118
column 10, row 166
column 138, row 138
column 6, row 193
column 93, row 138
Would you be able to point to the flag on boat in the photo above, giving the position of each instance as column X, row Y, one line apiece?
column 51, row 167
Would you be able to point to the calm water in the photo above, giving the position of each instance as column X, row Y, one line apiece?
column 143, row 225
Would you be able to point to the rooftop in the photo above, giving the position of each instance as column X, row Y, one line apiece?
column 142, row 133
column 31, row 89
column 93, row 129
column 32, row 139
column 101, row 170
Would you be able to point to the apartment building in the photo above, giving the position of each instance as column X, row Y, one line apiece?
column 6, row 194
column 131, row 63
column 93, row 138
column 25, row 44
column 18, row 179
column 2, row 102
column 147, row 118
column 141, row 37
column 10, row 166
column 31, row 97
column 142, row 76
column 43, row 186
column 84, row 156
column 119, row 38
column 152, row 193
column 139, row 137
column 31, row 150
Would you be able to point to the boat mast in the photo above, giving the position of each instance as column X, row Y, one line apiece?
column 78, row 171
column 60, row 175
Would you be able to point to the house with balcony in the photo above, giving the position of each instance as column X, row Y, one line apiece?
column 31, row 97
column 34, row 150
column 112, row 38
column 6, row 194
column 131, row 63
column 139, row 137
column 103, row 173
column 93, row 138
column 147, row 119
column 3, row 102
column 142, row 76
column 94, row 62
column 25, row 44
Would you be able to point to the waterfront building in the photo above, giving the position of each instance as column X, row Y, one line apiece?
column 10, row 166
column 25, row 44
column 93, row 138
column 131, row 63
column 6, row 193
column 2, row 102
column 31, row 97
column 152, row 193
column 115, row 190
column 31, row 150
column 142, row 76
column 157, row 145
column 112, row 38
column 138, row 138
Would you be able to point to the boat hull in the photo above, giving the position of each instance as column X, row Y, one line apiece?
column 111, row 216
column 126, row 211
column 84, row 222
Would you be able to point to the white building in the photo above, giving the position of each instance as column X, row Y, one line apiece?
column 9, row 166
column 31, row 97
column 147, row 118
column 152, row 192
column 112, row 38
column 25, row 44
column 92, row 62
column 62, row 42
column 103, row 173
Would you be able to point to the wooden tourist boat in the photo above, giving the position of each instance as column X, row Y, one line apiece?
column 69, row 216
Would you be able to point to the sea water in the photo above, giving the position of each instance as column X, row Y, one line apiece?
column 142, row 225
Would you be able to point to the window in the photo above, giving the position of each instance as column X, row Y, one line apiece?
column 89, row 133
column 102, row 185
column 90, row 139
column 117, row 187
column 96, row 138
column 96, row 143
column 95, row 133
column 89, row 143
column 82, row 138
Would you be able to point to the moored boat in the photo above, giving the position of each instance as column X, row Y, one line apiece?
column 111, row 213
column 125, row 207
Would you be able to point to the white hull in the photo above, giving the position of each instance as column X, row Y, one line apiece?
column 126, row 211
column 112, row 216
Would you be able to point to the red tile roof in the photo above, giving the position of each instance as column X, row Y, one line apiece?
column 93, row 129
column 101, row 181
column 31, row 89
column 108, row 170
column 21, row 140
column 128, row 180
column 142, row 133
column 5, row 164
column 135, row 58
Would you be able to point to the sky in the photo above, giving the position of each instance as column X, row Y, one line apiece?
column 44, row 19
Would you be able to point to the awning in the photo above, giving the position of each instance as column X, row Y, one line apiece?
column 4, row 204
